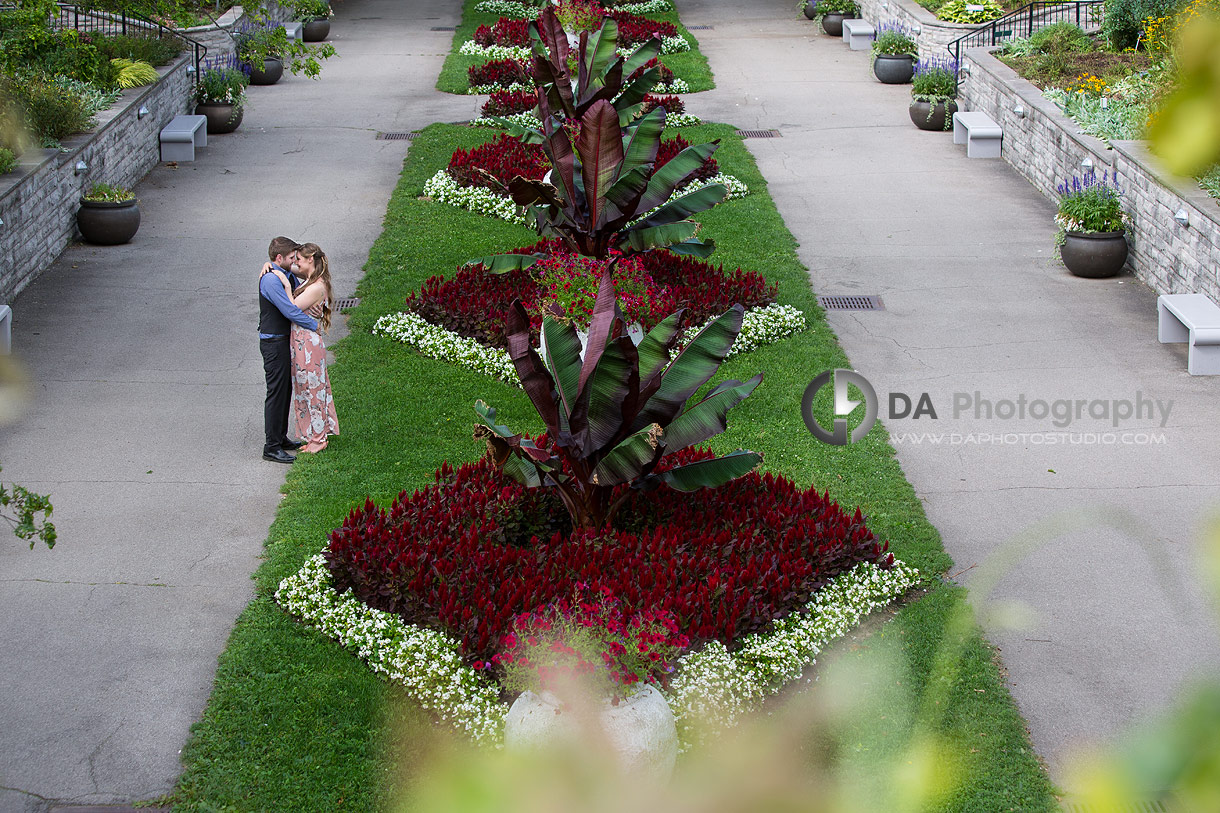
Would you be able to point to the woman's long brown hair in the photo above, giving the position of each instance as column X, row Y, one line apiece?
column 321, row 271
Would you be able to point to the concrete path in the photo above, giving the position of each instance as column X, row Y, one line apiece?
column 960, row 251
column 146, row 422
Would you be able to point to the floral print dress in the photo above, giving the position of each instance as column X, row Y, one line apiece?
column 313, row 406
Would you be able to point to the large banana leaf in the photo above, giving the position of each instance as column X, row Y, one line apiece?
column 626, row 460
column 637, row 239
column 649, row 50
column 625, row 194
column 666, row 179
column 535, row 379
column 692, row 203
column 600, row 147
column 693, row 248
column 502, row 263
column 563, row 359
column 691, row 369
column 707, row 473
column 600, row 53
column 600, row 323
column 707, row 418
column 654, row 349
column 642, row 141
column 599, row 408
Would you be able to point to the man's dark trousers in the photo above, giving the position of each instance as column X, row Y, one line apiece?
column 277, row 365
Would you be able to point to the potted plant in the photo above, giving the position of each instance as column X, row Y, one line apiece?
column 810, row 7
column 934, row 94
column 592, row 648
column 220, row 94
column 894, row 53
column 264, row 47
column 1091, row 225
column 834, row 12
column 108, row 215
column 315, row 18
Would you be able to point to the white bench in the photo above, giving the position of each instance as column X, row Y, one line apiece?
column 181, row 136
column 6, row 330
column 1195, row 319
column 979, row 133
column 858, row 34
column 293, row 30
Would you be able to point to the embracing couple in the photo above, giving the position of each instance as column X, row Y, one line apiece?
column 294, row 302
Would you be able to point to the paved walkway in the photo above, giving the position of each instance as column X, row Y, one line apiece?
column 960, row 251
column 146, row 424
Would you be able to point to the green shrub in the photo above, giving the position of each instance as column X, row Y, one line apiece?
column 955, row 11
column 109, row 194
column 59, row 53
column 134, row 74
column 56, row 107
column 1121, row 25
column 155, row 51
column 7, row 160
column 1060, row 37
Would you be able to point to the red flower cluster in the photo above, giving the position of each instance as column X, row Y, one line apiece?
column 672, row 104
column 665, row 77
column 474, row 303
column 471, row 553
column 502, row 72
column 671, row 147
column 572, row 281
column 508, row 102
column 504, row 32
column 504, row 158
column 634, row 29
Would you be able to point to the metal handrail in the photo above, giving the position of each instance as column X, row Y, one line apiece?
column 120, row 22
column 1027, row 20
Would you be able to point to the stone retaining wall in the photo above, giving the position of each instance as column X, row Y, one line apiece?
column 933, row 35
column 1047, row 148
column 218, row 36
column 39, row 199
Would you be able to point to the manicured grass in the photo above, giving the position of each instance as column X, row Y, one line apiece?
column 690, row 65
column 297, row 723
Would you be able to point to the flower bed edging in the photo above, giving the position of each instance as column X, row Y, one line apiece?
column 531, row 121
column 759, row 327
column 712, row 685
column 669, row 45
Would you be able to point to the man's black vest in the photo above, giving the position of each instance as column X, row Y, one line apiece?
column 270, row 320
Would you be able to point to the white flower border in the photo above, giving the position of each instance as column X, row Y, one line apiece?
column 520, row 11
column 531, row 121
column 487, row 90
column 669, row 45
column 712, row 685
column 759, row 327
column 477, row 199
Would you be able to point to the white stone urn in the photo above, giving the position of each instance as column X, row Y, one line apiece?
column 640, row 729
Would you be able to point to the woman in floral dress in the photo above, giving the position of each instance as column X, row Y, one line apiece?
column 313, row 406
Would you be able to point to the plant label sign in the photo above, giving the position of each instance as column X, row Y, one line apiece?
column 971, row 7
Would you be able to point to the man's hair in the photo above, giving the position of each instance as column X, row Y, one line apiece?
column 281, row 245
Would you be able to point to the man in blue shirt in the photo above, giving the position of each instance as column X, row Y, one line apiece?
column 276, row 314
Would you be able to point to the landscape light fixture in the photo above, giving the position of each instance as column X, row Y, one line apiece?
column 81, row 166
column 1019, row 110
column 1182, row 217
column 1087, row 165
column 142, row 112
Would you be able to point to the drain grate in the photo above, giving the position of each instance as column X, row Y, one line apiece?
column 700, row 27
column 759, row 133
column 443, row 28
column 346, row 302
column 397, row 136
column 851, row 302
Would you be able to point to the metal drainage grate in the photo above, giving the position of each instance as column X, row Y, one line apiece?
column 397, row 136
column 759, row 133
column 443, row 28
column 851, row 302
column 700, row 27
column 346, row 302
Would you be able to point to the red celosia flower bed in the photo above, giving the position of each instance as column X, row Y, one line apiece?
column 470, row 553
column 672, row 104
column 502, row 72
column 504, row 32
column 664, row 77
column 473, row 303
column 505, row 158
column 508, row 102
column 672, row 146
column 634, row 29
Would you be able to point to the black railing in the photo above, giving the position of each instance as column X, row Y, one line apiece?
column 120, row 23
column 1023, row 22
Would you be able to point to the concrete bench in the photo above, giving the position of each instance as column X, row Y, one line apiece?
column 292, row 29
column 858, row 34
column 979, row 133
column 181, row 136
column 6, row 330
column 1195, row 319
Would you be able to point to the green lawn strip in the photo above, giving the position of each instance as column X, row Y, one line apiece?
column 690, row 65
column 297, row 723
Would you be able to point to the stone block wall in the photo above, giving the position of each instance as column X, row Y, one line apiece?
column 39, row 199
column 934, row 35
column 1046, row 147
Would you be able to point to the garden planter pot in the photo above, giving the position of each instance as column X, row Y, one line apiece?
column 811, row 10
column 108, row 224
column 832, row 24
column 640, row 729
column 222, row 118
column 894, row 70
column 315, row 30
column 270, row 73
column 932, row 115
column 1094, row 255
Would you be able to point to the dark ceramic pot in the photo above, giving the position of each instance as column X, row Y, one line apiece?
column 315, row 30
column 270, row 73
column 894, row 70
column 832, row 24
column 811, row 10
column 933, row 116
column 222, row 118
column 108, row 224
column 1094, row 255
